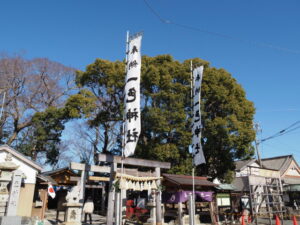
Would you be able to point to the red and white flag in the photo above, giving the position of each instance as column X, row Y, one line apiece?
column 51, row 191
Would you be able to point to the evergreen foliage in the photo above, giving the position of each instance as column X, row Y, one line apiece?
column 166, row 112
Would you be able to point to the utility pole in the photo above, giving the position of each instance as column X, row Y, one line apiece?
column 257, row 142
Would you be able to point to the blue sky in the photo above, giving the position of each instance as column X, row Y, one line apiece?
column 261, row 48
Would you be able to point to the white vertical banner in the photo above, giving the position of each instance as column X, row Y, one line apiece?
column 132, row 128
column 198, row 155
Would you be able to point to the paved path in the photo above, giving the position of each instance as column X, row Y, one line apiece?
column 50, row 216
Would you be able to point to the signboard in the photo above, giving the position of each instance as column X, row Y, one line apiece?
column 269, row 173
column 223, row 199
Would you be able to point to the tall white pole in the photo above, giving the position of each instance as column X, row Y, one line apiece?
column 192, row 222
column 120, row 214
column 123, row 129
column 193, row 196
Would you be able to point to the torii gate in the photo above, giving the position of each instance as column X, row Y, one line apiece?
column 115, row 160
column 85, row 168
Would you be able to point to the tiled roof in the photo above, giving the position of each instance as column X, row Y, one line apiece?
column 20, row 156
column 187, row 180
column 46, row 179
column 278, row 163
column 239, row 165
column 226, row 187
column 50, row 172
column 241, row 184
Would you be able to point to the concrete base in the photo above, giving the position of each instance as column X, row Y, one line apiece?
column 186, row 220
column 73, row 214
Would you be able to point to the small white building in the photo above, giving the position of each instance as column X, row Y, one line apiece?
column 30, row 170
column 246, row 167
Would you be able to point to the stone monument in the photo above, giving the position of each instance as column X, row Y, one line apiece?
column 7, row 167
column 14, row 193
column 73, row 207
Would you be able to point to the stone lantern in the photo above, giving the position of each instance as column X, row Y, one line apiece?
column 6, row 171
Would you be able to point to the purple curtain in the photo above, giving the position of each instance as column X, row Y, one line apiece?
column 183, row 196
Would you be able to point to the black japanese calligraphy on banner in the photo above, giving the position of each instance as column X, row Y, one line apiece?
column 132, row 64
column 132, row 136
column 132, row 96
column 198, row 156
column 132, row 115
column 134, row 50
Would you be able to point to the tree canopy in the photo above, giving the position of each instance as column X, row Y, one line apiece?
column 39, row 103
column 227, row 115
column 36, row 91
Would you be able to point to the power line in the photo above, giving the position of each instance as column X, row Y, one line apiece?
column 225, row 36
column 284, row 131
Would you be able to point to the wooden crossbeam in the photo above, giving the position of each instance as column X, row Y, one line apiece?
column 91, row 168
column 75, row 179
column 96, row 178
column 94, row 186
column 136, row 173
column 92, row 178
column 134, row 161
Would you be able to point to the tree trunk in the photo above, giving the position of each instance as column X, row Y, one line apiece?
column 12, row 138
column 95, row 144
column 105, row 144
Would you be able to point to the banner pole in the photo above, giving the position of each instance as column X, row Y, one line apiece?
column 192, row 222
column 122, row 192
column 123, row 129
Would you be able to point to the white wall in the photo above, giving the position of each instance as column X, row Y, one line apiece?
column 29, row 172
column 293, row 170
column 246, row 171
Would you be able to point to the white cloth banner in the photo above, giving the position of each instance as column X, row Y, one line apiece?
column 196, row 129
column 132, row 96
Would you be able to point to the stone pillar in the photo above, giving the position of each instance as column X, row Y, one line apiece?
column 111, row 195
column 212, row 213
column 152, row 205
column 158, row 198
column 103, row 198
column 14, row 194
column 123, row 206
column 82, row 185
column 117, row 208
column 180, row 214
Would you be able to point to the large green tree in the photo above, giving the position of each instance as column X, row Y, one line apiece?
column 105, row 80
column 227, row 115
column 227, row 123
